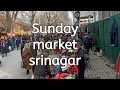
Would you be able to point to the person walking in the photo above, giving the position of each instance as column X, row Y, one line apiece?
column 26, row 55
column 34, row 53
column 86, row 42
column 17, row 43
column 4, row 49
column 12, row 43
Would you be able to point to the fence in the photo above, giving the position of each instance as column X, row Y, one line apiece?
column 101, row 31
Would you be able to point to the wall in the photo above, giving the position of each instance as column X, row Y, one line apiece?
column 17, row 26
column 106, row 14
column 103, row 36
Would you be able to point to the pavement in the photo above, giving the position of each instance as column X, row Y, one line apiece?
column 11, row 67
column 99, row 68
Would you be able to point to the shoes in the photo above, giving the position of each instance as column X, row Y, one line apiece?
column 27, row 72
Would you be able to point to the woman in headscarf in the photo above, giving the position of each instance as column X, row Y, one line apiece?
column 26, row 55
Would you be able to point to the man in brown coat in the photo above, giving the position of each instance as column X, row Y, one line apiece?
column 26, row 55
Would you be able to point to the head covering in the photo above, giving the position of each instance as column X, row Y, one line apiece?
column 26, row 46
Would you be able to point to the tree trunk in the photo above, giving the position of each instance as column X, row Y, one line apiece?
column 8, row 19
column 32, row 18
column 14, row 16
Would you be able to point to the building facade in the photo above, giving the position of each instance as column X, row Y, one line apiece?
column 18, row 26
column 105, row 14
column 86, row 20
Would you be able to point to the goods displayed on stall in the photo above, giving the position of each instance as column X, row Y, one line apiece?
column 69, row 72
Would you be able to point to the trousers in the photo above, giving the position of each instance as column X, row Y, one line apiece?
column 40, row 77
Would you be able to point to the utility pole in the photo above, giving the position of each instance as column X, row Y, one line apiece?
column 77, row 16
column 94, row 15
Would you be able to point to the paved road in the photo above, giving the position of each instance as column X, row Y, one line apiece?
column 99, row 69
column 10, row 67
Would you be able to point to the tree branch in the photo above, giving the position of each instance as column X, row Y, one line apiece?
column 13, row 15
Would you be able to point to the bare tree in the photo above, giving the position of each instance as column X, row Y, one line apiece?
column 10, row 20
column 31, row 16
column 2, row 19
column 14, row 16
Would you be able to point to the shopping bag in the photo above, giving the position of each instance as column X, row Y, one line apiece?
column 22, row 65
column 10, row 48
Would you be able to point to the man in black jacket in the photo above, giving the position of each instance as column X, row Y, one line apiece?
column 41, row 71
column 81, row 63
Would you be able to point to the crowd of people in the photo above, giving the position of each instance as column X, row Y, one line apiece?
column 55, row 71
column 9, row 44
column 25, row 44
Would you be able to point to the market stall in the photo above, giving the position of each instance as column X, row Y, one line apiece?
column 2, row 33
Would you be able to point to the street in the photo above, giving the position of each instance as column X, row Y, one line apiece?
column 11, row 67
column 100, row 68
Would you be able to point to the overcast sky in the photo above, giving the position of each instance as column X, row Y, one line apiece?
column 82, row 13
column 25, row 19
column 70, row 15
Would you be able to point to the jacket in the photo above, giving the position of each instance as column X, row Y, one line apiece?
column 26, row 55
column 114, row 34
column 42, row 70
column 34, row 51
column 80, row 53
